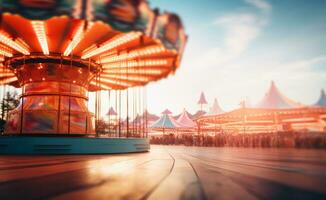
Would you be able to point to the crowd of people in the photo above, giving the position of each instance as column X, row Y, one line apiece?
column 265, row 140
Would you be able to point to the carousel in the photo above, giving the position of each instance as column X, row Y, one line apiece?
column 58, row 53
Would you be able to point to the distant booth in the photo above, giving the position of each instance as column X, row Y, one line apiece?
column 177, row 126
column 165, row 125
column 274, row 113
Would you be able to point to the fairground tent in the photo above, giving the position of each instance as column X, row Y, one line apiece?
column 322, row 99
column 166, row 112
column 188, row 113
column 274, row 99
column 215, row 109
column 166, row 122
column 111, row 112
column 185, row 121
column 198, row 114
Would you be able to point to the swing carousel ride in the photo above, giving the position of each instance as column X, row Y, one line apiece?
column 57, row 52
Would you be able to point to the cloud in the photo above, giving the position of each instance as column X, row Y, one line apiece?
column 241, row 29
column 260, row 4
column 225, row 63
column 304, row 64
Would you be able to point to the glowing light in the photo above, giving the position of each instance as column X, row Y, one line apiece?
column 5, row 51
column 119, row 83
column 112, row 43
column 135, row 71
column 134, row 63
column 3, row 74
column 79, row 34
column 12, row 44
column 40, row 66
column 39, row 30
column 127, row 78
column 102, row 86
column 8, row 80
column 150, row 50
column 43, row 79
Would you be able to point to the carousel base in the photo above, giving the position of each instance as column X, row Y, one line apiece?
column 36, row 145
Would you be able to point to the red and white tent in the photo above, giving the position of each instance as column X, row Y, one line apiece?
column 274, row 99
column 185, row 121
column 215, row 109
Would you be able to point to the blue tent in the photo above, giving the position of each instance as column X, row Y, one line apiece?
column 165, row 122
column 322, row 99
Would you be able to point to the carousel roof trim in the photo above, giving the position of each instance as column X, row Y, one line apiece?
column 96, row 31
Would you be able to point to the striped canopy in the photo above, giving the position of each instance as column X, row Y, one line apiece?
column 166, row 122
column 132, row 43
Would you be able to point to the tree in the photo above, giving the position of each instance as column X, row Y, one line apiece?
column 101, row 126
column 8, row 103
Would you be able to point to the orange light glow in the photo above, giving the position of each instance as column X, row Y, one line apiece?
column 39, row 29
column 120, row 83
column 8, row 80
column 135, row 71
column 127, row 78
column 134, row 63
column 102, row 86
column 5, row 51
column 112, row 43
column 78, row 36
column 154, row 49
column 5, row 39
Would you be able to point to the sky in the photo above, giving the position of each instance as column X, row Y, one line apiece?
column 236, row 47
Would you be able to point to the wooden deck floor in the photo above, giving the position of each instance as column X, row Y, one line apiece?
column 168, row 172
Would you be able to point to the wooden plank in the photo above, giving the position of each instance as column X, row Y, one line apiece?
column 168, row 172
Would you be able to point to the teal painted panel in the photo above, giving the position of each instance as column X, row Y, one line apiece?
column 31, row 145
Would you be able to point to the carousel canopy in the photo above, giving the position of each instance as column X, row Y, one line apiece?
column 202, row 99
column 166, row 121
column 185, row 121
column 274, row 99
column 215, row 109
column 322, row 99
column 124, row 42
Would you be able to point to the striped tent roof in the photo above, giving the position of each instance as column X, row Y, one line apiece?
column 185, row 121
column 215, row 109
column 322, row 99
column 166, row 121
column 275, row 99
column 202, row 99
column 111, row 112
